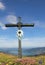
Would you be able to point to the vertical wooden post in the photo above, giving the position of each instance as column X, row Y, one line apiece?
column 19, row 41
column 19, row 49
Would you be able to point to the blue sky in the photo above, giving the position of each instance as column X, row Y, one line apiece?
column 31, row 11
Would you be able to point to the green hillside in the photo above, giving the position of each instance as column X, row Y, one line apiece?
column 7, row 59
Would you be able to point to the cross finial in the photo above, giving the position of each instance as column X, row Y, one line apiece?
column 19, row 19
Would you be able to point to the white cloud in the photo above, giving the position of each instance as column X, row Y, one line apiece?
column 11, row 19
column 6, row 43
column 2, row 7
column 27, row 42
column 39, row 24
column 2, row 26
column 34, row 42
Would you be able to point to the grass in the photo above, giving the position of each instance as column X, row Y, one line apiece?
column 7, row 59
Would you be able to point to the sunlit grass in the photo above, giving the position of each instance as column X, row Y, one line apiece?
column 7, row 59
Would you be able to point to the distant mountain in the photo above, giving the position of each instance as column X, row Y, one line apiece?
column 25, row 51
column 36, row 51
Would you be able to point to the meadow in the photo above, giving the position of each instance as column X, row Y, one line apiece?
column 7, row 59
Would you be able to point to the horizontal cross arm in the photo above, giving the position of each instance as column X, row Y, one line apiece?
column 19, row 25
column 11, row 25
column 27, row 25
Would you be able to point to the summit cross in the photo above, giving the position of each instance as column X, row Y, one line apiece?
column 19, row 25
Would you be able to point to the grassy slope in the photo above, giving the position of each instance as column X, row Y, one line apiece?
column 7, row 57
column 10, row 58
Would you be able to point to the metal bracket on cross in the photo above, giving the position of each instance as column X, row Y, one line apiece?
column 19, row 33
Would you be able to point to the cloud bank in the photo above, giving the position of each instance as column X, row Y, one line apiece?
column 26, row 43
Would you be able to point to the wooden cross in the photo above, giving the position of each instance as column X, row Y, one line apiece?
column 19, row 25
